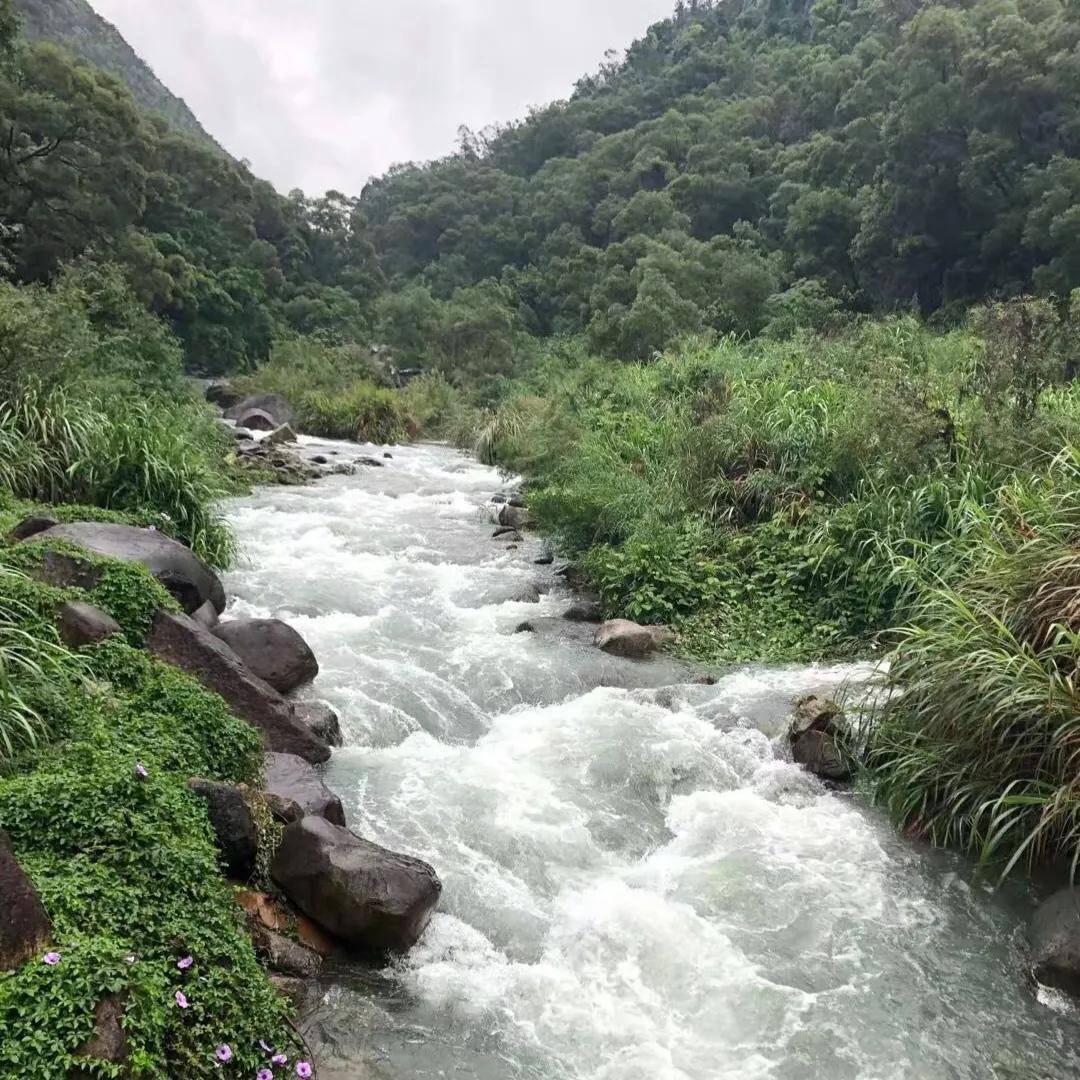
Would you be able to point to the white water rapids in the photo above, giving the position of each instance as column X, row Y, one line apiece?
column 636, row 885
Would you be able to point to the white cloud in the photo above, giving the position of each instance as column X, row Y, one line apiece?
column 325, row 93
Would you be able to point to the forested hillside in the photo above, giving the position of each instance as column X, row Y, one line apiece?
column 75, row 24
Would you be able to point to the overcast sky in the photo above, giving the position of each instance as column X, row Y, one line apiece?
column 322, row 94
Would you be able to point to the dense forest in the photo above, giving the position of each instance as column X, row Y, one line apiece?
column 778, row 316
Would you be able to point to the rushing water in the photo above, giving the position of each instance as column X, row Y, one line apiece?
column 637, row 886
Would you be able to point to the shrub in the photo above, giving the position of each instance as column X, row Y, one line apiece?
column 363, row 412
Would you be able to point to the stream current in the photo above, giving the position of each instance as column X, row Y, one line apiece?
column 637, row 885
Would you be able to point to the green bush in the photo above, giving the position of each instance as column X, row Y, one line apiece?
column 363, row 412
column 128, row 870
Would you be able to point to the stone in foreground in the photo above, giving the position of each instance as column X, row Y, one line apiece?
column 1054, row 937
column 621, row 637
column 272, row 649
column 178, row 568
column 293, row 789
column 816, row 735
column 374, row 900
column 234, row 825
column 82, row 624
column 25, row 927
column 108, row 1045
column 321, row 720
column 182, row 642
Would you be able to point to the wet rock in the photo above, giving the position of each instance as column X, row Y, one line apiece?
column 513, row 516
column 546, row 556
column 31, row 526
column 294, row 789
column 263, row 910
column 272, row 649
column 178, row 568
column 257, row 420
column 25, row 927
column 516, row 501
column 182, row 642
column 64, row 571
column 388, row 456
column 280, row 436
column 527, row 594
column 320, row 459
column 273, row 406
column 1054, row 938
column 525, row 628
column 320, row 719
column 503, row 530
column 285, row 956
column 705, row 680
column 499, row 499
column 621, row 637
column 375, row 900
column 82, row 624
column 508, row 536
column 587, row 611
column 206, row 616
column 108, row 1045
column 817, row 734
column 374, row 462
column 233, row 823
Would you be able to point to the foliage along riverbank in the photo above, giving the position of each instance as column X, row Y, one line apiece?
column 887, row 489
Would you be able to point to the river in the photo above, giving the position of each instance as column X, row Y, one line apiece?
column 636, row 885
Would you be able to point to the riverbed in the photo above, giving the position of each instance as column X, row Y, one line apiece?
column 637, row 885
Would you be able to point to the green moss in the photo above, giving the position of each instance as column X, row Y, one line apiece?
column 127, row 868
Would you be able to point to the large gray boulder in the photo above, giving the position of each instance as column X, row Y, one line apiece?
column 25, row 927
column 514, row 517
column 276, row 407
column 320, row 719
column 82, row 624
column 178, row 568
column 272, row 649
column 621, row 637
column 293, row 789
column 233, row 823
column 1054, row 937
column 182, row 642
column 817, row 736
column 374, row 900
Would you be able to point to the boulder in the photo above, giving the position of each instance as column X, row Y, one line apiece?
column 621, row 637
column 1054, row 938
column 318, row 717
column 206, row 616
column 816, row 735
column 508, row 536
column 233, row 823
column 64, row 571
column 294, row 789
column 295, row 991
column 182, row 642
column 272, row 649
column 584, row 611
column 276, row 407
column 31, row 526
column 374, row 462
column 25, row 927
column 388, row 456
column 529, row 593
column 525, row 628
column 108, row 1045
column 374, row 900
column 263, row 910
column 83, row 624
column 513, row 516
column 285, row 956
column 256, row 420
column 178, row 568
column 502, row 530
column 223, row 394
column 280, row 436
column 546, row 556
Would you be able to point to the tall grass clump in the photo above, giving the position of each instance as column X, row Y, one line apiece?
column 980, row 746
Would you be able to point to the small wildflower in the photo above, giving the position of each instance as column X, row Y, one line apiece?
column 266, row 1049
column 185, row 963
column 130, row 958
column 280, row 1059
column 141, row 771
column 264, row 1074
column 303, row 1069
column 223, row 1053
column 51, row 958
column 181, row 999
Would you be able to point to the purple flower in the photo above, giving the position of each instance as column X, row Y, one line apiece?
column 181, row 999
column 303, row 1069
column 264, row 1074
column 51, row 958
column 185, row 963
column 141, row 771
column 280, row 1059
column 223, row 1053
